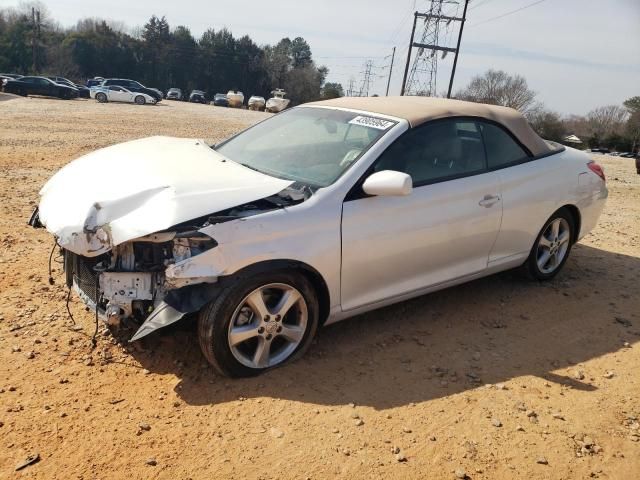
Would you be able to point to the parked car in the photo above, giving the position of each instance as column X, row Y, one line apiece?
column 235, row 99
column 627, row 155
column 638, row 162
column 174, row 94
column 115, row 93
column 5, row 77
column 158, row 91
column 256, row 103
column 320, row 213
column 132, row 86
column 220, row 100
column 94, row 82
column 197, row 96
column 83, row 92
column 40, row 86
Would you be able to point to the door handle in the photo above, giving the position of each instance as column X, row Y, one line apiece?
column 489, row 200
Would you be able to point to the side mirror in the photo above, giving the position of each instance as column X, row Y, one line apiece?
column 388, row 183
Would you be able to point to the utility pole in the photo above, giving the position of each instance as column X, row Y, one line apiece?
column 422, row 80
column 35, row 39
column 393, row 55
column 406, row 67
column 455, row 59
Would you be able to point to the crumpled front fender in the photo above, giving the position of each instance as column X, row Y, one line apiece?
column 175, row 305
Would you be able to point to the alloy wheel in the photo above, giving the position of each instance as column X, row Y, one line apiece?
column 553, row 245
column 268, row 325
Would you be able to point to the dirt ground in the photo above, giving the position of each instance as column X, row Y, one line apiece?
column 500, row 378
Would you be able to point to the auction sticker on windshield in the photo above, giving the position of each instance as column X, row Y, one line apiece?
column 371, row 122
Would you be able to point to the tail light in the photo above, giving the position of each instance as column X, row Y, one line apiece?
column 597, row 169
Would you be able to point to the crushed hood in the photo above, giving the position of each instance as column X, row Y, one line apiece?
column 136, row 188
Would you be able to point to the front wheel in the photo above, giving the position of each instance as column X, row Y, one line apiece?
column 140, row 100
column 258, row 323
column 101, row 97
column 552, row 246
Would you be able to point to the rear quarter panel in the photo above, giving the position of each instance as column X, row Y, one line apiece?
column 532, row 191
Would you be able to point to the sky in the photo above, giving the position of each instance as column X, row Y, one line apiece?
column 576, row 54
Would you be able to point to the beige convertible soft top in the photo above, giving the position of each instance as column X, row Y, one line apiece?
column 417, row 110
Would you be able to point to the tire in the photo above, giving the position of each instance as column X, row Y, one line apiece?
column 232, row 314
column 552, row 247
column 101, row 97
column 140, row 100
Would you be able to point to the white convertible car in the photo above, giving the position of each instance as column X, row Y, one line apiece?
column 317, row 214
column 116, row 93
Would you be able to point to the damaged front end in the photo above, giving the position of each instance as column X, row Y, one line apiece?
column 129, row 240
column 130, row 281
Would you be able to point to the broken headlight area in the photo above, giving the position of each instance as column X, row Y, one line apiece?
column 129, row 280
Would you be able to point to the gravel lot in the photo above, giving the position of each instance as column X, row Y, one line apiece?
column 497, row 379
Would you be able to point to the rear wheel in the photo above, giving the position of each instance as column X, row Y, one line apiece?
column 552, row 246
column 101, row 97
column 259, row 323
column 140, row 100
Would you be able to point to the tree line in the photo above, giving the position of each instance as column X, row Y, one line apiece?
column 616, row 127
column 163, row 57
column 158, row 56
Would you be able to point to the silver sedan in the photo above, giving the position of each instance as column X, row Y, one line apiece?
column 315, row 215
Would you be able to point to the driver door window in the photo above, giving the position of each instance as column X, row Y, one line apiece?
column 441, row 150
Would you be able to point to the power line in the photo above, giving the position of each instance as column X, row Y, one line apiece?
column 475, row 5
column 506, row 14
column 399, row 27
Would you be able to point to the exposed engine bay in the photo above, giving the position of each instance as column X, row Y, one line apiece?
column 129, row 280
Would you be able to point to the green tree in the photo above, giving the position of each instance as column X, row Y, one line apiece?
column 332, row 90
column 182, row 58
column 300, row 53
column 157, row 37
column 633, row 123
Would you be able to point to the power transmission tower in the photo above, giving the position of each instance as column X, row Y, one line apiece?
column 366, row 79
column 422, row 79
column 350, row 89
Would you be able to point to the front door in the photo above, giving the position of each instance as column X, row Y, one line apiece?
column 44, row 87
column 443, row 230
column 119, row 94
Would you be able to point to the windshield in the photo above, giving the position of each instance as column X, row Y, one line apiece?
column 310, row 145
